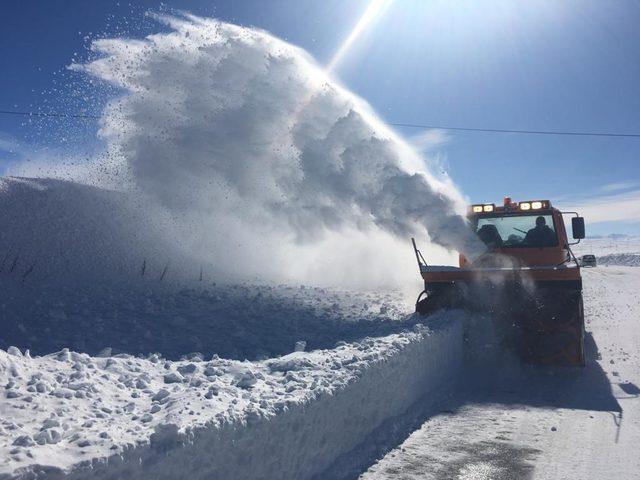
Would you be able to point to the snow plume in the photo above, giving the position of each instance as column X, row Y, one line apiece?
column 266, row 164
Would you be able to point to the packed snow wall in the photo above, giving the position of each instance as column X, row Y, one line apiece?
column 290, row 417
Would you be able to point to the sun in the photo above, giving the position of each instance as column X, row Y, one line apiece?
column 374, row 10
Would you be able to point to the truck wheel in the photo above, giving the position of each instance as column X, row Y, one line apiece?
column 582, row 331
column 560, row 334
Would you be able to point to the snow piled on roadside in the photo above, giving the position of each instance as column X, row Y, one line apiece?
column 239, row 322
column 286, row 417
column 55, row 232
column 620, row 259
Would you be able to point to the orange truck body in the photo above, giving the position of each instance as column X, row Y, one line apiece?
column 533, row 293
column 542, row 264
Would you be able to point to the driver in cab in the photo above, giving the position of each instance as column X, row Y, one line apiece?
column 540, row 235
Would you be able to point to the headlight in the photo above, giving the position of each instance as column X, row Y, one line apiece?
column 526, row 205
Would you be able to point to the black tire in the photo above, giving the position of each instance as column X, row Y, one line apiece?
column 422, row 304
column 434, row 298
column 582, row 332
column 558, row 335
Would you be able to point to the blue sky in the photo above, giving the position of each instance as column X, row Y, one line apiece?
column 536, row 65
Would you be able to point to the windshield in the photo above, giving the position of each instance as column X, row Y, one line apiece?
column 517, row 231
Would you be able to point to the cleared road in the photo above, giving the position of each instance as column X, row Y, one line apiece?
column 534, row 423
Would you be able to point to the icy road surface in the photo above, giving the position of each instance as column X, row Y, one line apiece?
column 544, row 423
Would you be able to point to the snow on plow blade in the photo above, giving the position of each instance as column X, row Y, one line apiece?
column 537, row 311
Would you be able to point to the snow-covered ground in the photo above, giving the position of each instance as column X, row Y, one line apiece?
column 607, row 245
column 123, row 357
column 286, row 417
column 623, row 259
column 151, row 379
column 519, row 422
column 614, row 250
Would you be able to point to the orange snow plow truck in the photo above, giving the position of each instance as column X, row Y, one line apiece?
column 528, row 280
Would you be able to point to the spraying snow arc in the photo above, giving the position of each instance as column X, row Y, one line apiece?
column 242, row 155
column 242, row 136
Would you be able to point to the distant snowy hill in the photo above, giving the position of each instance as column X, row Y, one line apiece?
column 615, row 249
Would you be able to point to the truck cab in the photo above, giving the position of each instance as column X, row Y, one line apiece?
column 532, row 232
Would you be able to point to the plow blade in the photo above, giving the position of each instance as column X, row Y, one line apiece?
column 541, row 321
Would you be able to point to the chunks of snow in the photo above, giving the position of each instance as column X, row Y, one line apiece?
column 173, row 377
column 105, row 352
column 50, row 423
column 23, row 441
column 160, row 395
column 47, row 436
column 246, row 380
column 187, row 369
column 146, row 418
column 63, row 393
column 15, row 351
column 212, row 392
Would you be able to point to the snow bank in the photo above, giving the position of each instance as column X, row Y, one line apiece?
column 59, row 232
column 69, row 415
column 233, row 321
column 621, row 259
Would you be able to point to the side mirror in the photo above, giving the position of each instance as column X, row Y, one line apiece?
column 577, row 225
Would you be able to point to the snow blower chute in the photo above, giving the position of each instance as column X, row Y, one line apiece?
column 528, row 280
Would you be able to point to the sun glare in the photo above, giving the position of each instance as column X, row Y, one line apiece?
column 374, row 10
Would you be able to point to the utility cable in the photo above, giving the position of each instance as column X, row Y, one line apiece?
column 405, row 125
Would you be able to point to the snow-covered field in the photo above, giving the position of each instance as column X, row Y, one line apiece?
column 615, row 244
column 115, row 363
column 621, row 250
column 123, row 357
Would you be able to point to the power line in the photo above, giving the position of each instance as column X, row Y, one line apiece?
column 48, row 114
column 405, row 125
column 528, row 132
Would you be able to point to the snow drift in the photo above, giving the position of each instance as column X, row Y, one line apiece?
column 233, row 321
column 63, row 232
